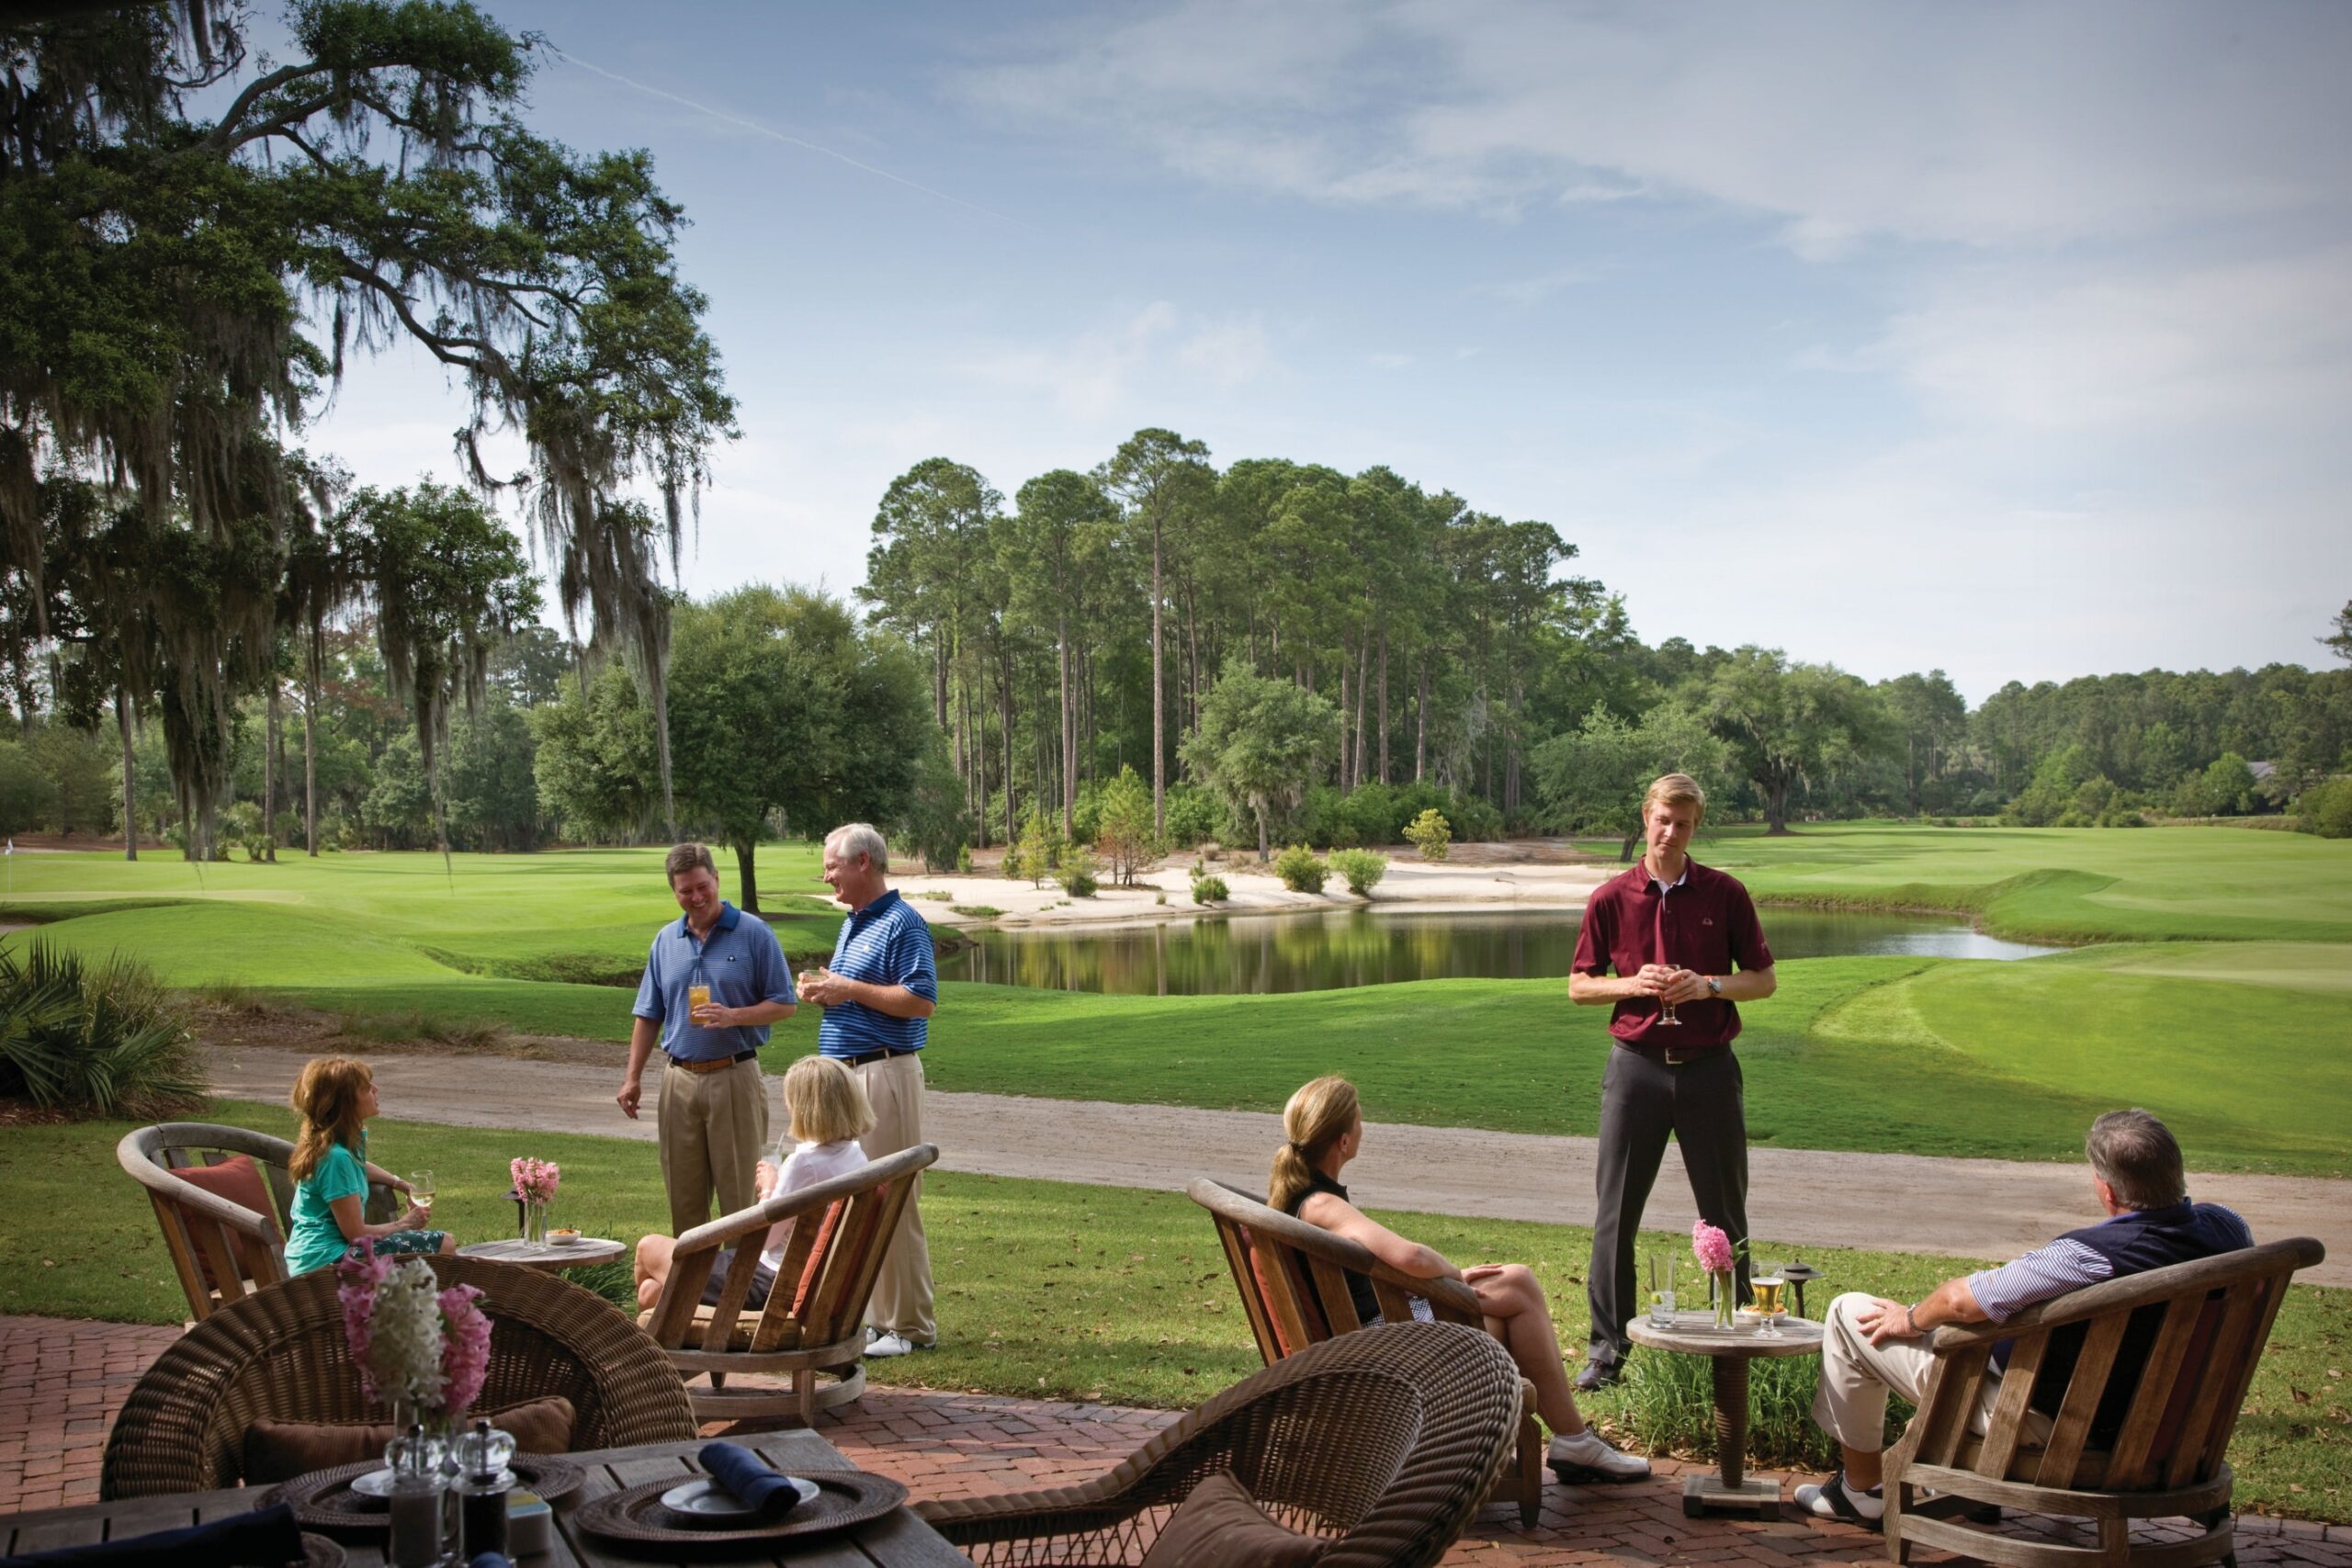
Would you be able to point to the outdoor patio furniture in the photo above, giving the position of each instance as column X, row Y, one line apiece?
column 1385, row 1441
column 280, row 1355
column 813, row 1326
column 896, row 1540
column 220, row 1249
column 1293, row 1284
column 2146, row 1375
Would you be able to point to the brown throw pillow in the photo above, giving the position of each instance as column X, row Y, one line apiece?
column 281, row 1450
column 1220, row 1526
column 238, row 1181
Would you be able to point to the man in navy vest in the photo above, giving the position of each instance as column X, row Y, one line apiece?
column 1870, row 1345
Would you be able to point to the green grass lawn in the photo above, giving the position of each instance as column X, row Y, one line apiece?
column 1066, row 1291
column 2239, row 1044
column 2062, row 884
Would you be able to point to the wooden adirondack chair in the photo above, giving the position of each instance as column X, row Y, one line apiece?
column 2159, row 1366
column 221, row 1250
column 1293, row 1284
column 814, row 1322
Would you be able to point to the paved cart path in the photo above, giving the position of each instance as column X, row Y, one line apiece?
column 1962, row 1208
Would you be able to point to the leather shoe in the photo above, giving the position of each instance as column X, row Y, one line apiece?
column 1598, row 1375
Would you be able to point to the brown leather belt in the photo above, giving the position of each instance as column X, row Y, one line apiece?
column 718, row 1065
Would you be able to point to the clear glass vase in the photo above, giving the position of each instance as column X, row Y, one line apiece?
column 1726, row 1298
column 535, row 1222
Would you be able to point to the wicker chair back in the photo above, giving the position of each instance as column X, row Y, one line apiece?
column 280, row 1355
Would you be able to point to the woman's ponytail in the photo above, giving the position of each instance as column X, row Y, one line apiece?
column 1317, row 1116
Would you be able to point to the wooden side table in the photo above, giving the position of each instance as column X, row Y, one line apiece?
column 588, row 1249
column 1730, row 1351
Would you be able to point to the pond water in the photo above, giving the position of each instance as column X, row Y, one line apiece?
column 1356, row 947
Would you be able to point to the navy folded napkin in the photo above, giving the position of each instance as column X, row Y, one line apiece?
column 748, row 1478
column 263, row 1535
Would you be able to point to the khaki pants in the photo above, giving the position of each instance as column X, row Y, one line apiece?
column 1850, row 1401
column 714, row 1132
column 901, row 1302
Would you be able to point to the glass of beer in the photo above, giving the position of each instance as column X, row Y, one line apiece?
column 1765, row 1285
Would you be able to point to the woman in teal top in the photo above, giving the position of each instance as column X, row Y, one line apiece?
column 336, row 1096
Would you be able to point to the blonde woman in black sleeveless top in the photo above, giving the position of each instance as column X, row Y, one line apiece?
column 1323, row 1128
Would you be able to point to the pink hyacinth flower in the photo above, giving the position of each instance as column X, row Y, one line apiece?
column 1711, row 1247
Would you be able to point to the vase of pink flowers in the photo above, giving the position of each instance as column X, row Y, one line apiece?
column 535, row 1184
column 1716, row 1255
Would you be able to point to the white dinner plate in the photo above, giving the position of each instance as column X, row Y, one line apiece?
column 707, row 1499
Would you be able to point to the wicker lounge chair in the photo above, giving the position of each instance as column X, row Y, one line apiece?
column 814, row 1322
column 223, row 1251
column 1293, row 1278
column 280, row 1355
column 1385, row 1441
column 2116, row 1453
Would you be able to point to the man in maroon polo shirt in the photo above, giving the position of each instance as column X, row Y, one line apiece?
column 1675, row 933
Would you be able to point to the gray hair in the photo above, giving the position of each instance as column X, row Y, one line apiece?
column 854, row 838
column 2137, row 1154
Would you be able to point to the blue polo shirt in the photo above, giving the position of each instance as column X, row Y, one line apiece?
column 886, row 943
column 741, row 963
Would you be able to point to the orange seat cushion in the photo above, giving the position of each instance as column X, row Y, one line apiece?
column 240, row 1180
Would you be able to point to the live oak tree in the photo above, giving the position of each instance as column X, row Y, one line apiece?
column 1260, row 741
column 177, row 286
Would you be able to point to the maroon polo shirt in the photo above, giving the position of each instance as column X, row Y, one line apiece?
column 1707, row 923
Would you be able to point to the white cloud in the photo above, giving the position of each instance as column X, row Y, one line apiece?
column 1978, row 124
column 1100, row 370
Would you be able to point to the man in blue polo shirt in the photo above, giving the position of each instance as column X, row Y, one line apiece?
column 879, row 993
column 713, row 1113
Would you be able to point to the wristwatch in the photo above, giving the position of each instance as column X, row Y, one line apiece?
column 1715, row 985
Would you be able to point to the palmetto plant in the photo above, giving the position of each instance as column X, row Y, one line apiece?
column 95, row 1036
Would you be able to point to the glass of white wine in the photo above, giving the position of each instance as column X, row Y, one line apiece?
column 420, row 1190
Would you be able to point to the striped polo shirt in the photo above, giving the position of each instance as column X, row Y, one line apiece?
column 886, row 943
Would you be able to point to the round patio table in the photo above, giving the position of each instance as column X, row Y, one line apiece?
column 588, row 1249
column 1730, row 1351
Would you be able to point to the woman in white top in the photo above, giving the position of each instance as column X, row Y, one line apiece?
column 827, row 1112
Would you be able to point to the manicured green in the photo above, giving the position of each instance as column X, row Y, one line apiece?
column 2239, row 1044
column 2062, row 884
column 1086, row 1292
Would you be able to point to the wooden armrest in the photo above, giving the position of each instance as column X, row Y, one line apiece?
column 2137, row 1290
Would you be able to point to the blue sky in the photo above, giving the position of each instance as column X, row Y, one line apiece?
column 2015, row 340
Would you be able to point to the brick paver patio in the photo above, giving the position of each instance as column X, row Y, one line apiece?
column 62, row 1382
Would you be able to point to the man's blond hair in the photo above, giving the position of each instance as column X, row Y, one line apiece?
column 1675, row 789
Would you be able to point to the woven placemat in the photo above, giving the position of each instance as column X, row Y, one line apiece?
column 635, row 1515
column 323, row 1499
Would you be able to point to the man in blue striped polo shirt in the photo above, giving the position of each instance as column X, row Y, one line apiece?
column 714, row 980
column 879, row 993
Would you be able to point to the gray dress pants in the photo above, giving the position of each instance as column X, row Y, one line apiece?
column 1703, row 1105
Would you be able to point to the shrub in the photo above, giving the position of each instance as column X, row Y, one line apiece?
column 1300, row 871
column 1077, row 873
column 963, row 859
column 1210, row 890
column 1361, row 868
column 92, row 1036
column 1193, row 814
column 1429, row 833
column 2327, row 809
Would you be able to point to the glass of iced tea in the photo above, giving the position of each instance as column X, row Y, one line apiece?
column 697, row 997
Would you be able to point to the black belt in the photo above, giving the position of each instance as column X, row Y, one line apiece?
column 865, row 1058
column 1672, row 1056
column 712, row 1064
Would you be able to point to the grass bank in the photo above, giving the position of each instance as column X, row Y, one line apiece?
column 1083, row 1292
column 2060, row 884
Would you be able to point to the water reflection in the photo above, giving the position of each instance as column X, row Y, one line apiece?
column 1354, row 947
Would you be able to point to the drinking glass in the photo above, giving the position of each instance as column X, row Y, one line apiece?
column 697, row 997
column 420, row 1189
column 1661, row 1290
column 1764, row 1286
